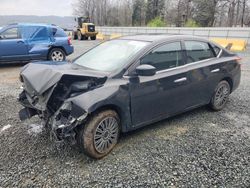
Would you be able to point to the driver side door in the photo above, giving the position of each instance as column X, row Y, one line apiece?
column 12, row 46
column 166, row 93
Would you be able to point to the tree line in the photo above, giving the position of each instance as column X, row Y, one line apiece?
column 178, row 13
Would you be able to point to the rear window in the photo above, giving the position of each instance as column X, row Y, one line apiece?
column 57, row 32
column 198, row 51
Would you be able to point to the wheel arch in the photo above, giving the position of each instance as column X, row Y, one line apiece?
column 230, row 81
column 120, row 112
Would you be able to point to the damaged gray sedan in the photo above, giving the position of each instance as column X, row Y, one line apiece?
column 124, row 84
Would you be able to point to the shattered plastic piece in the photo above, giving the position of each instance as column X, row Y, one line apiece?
column 35, row 129
column 5, row 128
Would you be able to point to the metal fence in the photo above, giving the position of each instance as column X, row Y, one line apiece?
column 232, row 33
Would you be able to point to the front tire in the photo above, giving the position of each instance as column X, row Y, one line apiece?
column 100, row 134
column 57, row 54
column 221, row 95
column 93, row 38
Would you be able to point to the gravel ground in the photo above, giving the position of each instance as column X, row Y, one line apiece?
column 200, row 148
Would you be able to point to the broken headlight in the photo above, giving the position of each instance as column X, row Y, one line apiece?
column 80, row 86
column 66, row 106
column 69, row 109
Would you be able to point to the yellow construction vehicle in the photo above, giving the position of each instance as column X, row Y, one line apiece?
column 84, row 29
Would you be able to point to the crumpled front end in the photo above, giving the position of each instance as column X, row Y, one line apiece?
column 53, row 104
column 66, row 119
column 61, row 122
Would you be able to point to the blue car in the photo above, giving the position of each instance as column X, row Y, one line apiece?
column 26, row 42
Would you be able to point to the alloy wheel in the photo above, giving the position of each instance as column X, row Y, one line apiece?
column 221, row 95
column 57, row 56
column 106, row 134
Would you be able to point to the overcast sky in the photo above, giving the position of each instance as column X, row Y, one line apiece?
column 36, row 7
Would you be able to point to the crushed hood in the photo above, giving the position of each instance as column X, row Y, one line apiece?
column 39, row 77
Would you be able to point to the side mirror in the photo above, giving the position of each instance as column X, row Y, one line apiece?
column 145, row 70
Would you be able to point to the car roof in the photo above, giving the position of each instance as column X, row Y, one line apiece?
column 161, row 37
column 32, row 24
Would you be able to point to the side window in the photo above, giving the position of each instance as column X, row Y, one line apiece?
column 58, row 32
column 197, row 51
column 11, row 33
column 41, row 33
column 28, row 31
column 165, row 57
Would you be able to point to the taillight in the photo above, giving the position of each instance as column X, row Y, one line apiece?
column 69, row 41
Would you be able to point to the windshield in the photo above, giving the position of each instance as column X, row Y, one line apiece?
column 111, row 55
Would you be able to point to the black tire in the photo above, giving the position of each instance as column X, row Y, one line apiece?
column 61, row 55
column 221, row 95
column 91, row 141
column 93, row 38
column 85, row 37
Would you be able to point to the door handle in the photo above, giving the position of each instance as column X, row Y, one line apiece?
column 20, row 41
column 215, row 70
column 180, row 80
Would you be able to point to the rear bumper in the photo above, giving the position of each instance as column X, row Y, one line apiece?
column 69, row 50
column 91, row 34
column 236, row 79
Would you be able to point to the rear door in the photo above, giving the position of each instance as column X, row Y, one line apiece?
column 39, row 41
column 201, row 62
column 12, row 46
column 164, row 94
column 61, row 39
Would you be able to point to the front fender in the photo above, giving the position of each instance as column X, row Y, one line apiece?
column 116, row 96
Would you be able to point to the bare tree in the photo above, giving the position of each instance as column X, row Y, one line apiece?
column 206, row 13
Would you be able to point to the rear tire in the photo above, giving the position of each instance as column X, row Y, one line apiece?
column 57, row 54
column 220, row 97
column 93, row 38
column 100, row 134
column 85, row 37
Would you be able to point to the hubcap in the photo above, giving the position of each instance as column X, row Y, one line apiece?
column 57, row 56
column 106, row 134
column 221, row 95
